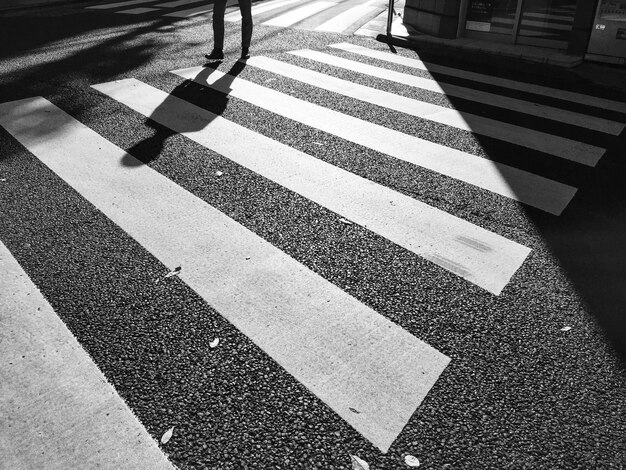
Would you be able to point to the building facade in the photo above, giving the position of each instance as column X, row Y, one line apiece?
column 595, row 29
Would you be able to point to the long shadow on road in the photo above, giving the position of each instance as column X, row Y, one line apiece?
column 213, row 101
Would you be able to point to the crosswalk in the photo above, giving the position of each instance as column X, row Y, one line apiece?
column 33, row 337
column 361, row 17
column 343, row 351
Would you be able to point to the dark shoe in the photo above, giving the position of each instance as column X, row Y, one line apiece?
column 245, row 53
column 216, row 54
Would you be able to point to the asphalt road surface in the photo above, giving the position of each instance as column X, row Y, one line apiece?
column 399, row 257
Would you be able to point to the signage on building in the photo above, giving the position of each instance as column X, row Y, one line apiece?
column 479, row 13
column 608, row 36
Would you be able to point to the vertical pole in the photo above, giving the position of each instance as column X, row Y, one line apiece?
column 518, row 20
column 389, row 17
column 462, row 15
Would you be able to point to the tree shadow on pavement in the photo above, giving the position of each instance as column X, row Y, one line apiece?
column 41, row 55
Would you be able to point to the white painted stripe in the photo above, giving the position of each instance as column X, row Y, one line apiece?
column 107, row 6
column 190, row 12
column 500, row 101
column 295, row 16
column 137, row 11
column 196, row 10
column 565, row 95
column 58, row 410
column 559, row 146
column 435, row 235
column 341, row 350
column 178, row 3
column 507, row 181
column 258, row 9
column 344, row 20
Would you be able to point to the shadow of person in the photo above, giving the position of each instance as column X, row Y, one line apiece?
column 169, row 110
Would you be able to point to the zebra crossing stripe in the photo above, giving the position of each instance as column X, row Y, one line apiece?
column 177, row 3
column 190, row 12
column 492, row 99
column 295, row 16
column 258, row 9
column 564, row 95
column 555, row 145
column 137, row 11
column 107, row 6
column 345, row 353
column 534, row 190
column 45, row 373
column 196, row 10
column 345, row 19
column 475, row 254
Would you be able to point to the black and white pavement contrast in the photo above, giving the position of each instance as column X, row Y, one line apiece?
column 331, row 255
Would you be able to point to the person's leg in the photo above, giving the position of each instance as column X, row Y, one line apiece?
column 245, row 7
column 219, row 7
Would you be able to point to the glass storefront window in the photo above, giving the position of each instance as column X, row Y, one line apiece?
column 491, row 16
column 547, row 22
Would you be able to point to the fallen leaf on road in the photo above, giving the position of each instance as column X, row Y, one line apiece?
column 214, row 343
column 355, row 411
column 359, row 464
column 566, row 328
column 411, row 461
column 167, row 436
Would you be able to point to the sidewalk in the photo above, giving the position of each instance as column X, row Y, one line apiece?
column 550, row 63
column 611, row 78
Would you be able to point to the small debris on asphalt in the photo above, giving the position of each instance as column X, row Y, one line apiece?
column 359, row 464
column 214, row 343
column 167, row 436
column 218, row 173
column 175, row 272
column 318, row 143
column 345, row 221
column 355, row 411
column 412, row 461
column 566, row 328
column 3, row 179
